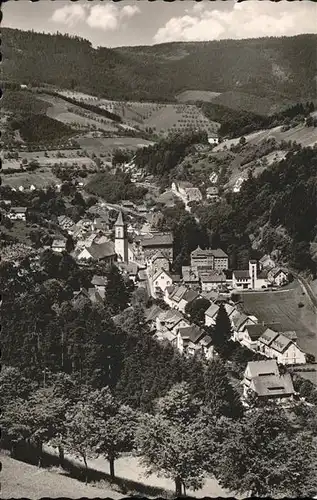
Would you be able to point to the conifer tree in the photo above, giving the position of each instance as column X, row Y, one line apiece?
column 222, row 332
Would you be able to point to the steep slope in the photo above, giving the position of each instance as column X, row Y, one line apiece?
column 278, row 69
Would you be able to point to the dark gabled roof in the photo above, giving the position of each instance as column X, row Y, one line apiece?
column 101, row 251
column 273, row 385
column 241, row 274
column 193, row 333
column 99, row 280
column 268, row 336
column 190, row 295
column 255, row 331
column 157, row 240
column 218, row 253
column 263, row 367
column 280, row 343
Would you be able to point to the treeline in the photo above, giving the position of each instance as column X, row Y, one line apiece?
column 20, row 102
column 161, row 158
column 36, row 128
column 239, row 122
column 89, row 107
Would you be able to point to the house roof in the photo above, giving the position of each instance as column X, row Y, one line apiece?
column 157, row 240
column 190, row 295
column 99, row 280
column 212, row 277
column 59, row 242
column 276, row 271
column 159, row 272
column 131, row 268
column 201, row 252
column 263, row 274
column 212, row 190
column 19, row 210
column 193, row 194
column 193, row 333
column 212, row 295
column 183, row 184
column 152, row 313
column 281, row 343
column 273, row 385
column 230, row 309
column 241, row 274
column 212, row 310
column 218, row 253
column 142, row 275
column 260, row 368
column 239, row 320
column 268, row 336
column 190, row 274
column 95, row 296
column 101, row 251
column 206, row 341
column 158, row 255
column 178, row 293
column 255, row 331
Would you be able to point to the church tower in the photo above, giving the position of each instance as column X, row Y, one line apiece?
column 121, row 239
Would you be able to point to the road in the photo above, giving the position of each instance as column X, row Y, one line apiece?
column 307, row 288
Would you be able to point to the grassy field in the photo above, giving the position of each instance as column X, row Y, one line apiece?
column 40, row 178
column 197, row 95
column 21, row 480
column 282, row 307
column 106, row 145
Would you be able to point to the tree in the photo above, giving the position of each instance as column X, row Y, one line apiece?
column 168, row 443
column 264, row 455
column 196, row 309
column 115, row 291
column 80, row 433
column 220, row 396
column 222, row 331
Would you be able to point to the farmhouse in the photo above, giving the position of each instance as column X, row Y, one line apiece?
column 212, row 193
column 251, row 334
column 18, row 213
column 188, row 339
column 263, row 380
column 186, row 192
column 161, row 280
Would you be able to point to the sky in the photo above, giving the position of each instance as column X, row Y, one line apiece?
column 142, row 22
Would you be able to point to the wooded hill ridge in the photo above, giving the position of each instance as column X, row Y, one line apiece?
column 277, row 71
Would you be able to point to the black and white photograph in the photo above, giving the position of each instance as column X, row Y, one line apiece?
column 158, row 249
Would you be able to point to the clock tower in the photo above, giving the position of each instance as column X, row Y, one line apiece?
column 121, row 239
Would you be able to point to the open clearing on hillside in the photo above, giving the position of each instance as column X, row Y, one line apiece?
column 282, row 307
column 197, row 95
column 105, row 145
column 59, row 110
column 307, row 136
column 40, row 178
column 21, row 480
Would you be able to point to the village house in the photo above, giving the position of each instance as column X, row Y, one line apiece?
column 280, row 347
column 173, row 295
column 129, row 269
column 213, row 178
column 101, row 223
column 251, row 334
column 263, row 381
column 240, row 323
column 18, row 213
column 152, row 243
column 65, row 223
column 104, row 252
column 151, row 314
column 168, row 324
column 159, row 261
column 211, row 314
column 277, row 276
column 190, row 277
column 161, row 280
column 128, row 204
column 212, row 193
column 186, row 192
column 59, row 245
column 211, row 280
column 100, row 283
column 188, row 339
column 187, row 297
column 266, row 262
column 213, row 140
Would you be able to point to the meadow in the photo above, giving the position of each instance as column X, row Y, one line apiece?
column 283, row 307
column 197, row 95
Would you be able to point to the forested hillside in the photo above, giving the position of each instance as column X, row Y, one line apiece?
column 274, row 70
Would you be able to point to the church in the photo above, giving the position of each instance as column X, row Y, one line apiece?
column 123, row 249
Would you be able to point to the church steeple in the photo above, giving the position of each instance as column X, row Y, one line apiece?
column 121, row 238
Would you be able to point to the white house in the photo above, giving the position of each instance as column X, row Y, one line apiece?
column 59, row 245
column 213, row 140
column 212, row 193
column 211, row 314
column 251, row 334
column 17, row 213
column 277, row 276
column 173, row 297
column 211, row 280
column 161, row 280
